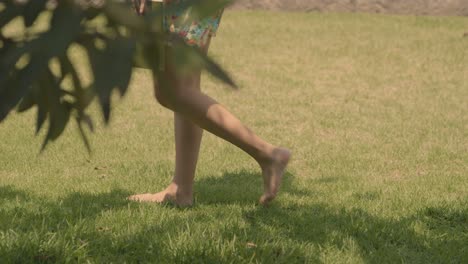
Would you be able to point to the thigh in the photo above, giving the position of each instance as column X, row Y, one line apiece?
column 174, row 81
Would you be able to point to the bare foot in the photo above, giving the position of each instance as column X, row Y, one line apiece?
column 169, row 195
column 272, row 172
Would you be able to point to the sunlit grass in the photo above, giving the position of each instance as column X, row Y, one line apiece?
column 374, row 108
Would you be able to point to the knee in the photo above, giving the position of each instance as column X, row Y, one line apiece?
column 162, row 98
column 171, row 97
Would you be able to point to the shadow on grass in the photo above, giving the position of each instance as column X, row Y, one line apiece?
column 279, row 232
column 30, row 223
column 74, row 207
column 8, row 192
column 243, row 187
column 376, row 239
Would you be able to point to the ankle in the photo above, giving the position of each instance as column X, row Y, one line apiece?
column 179, row 190
column 275, row 156
column 267, row 156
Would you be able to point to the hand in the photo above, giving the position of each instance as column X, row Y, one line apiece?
column 140, row 6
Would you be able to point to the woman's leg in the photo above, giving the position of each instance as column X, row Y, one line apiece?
column 213, row 117
column 187, row 143
column 202, row 110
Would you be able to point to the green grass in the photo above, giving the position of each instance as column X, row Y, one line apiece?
column 374, row 108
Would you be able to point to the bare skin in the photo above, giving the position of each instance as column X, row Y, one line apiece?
column 194, row 112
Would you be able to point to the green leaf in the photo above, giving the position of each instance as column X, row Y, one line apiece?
column 112, row 68
column 59, row 117
column 42, row 101
column 83, row 96
column 10, row 12
column 28, row 101
column 18, row 85
column 41, row 117
column 111, row 62
column 65, row 27
column 5, row 44
column 83, row 135
column 88, row 121
column 32, row 10
column 59, row 110
column 13, row 53
column 125, row 48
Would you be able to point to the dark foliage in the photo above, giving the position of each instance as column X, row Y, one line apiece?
column 27, row 78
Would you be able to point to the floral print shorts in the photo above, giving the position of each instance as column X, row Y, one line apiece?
column 195, row 32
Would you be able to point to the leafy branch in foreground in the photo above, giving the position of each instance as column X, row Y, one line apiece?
column 28, row 60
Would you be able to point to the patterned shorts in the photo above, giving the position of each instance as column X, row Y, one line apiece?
column 195, row 32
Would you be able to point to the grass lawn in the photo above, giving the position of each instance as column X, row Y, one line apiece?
column 375, row 109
